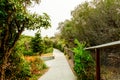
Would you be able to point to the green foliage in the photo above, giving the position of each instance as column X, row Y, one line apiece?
column 40, row 45
column 84, row 64
column 94, row 22
column 67, row 31
column 23, row 45
column 14, row 19
column 48, row 45
column 19, row 68
column 37, row 43
column 59, row 44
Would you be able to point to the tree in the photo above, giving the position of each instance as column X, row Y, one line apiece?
column 67, row 31
column 95, row 22
column 103, row 23
column 14, row 18
column 37, row 43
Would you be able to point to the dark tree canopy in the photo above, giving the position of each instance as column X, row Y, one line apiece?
column 37, row 43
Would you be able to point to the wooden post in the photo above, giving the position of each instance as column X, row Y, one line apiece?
column 97, row 51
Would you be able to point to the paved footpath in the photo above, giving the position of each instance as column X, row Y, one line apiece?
column 59, row 68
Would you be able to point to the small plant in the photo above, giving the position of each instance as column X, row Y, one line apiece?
column 84, row 64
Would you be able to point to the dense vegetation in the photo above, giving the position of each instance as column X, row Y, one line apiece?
column 23, row 45
column 58, row 43
column 39, row 45
column 18, row 67
column 14, row 19
column 24, row 63
column 47, row 45
column 36, row 43
column 93, row 23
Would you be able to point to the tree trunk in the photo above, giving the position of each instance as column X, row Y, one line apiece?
column 5, row 58
column 3, row 69
column 4, row 64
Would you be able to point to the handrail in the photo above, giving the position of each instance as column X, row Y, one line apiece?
column 104, row 45
column 97, row 51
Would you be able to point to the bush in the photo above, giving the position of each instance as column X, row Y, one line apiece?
column 19, row 68
column 49, row 50
column 48, row 45
column 23, row 45
column 59, row 44
column 84, row 64
column 36, row 65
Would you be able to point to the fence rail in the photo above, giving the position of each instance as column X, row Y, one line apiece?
column 97, row 51
column 104, row 45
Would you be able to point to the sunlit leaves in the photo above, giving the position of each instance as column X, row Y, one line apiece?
column 36, row 21
column 84, row 64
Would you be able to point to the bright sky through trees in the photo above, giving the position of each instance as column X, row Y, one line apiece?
column 58, row 10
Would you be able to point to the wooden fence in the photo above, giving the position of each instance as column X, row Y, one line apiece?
column 97, row 49
column 70, row 53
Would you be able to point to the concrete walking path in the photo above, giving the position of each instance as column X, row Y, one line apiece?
column 59, row 68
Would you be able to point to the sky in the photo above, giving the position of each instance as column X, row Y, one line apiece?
column 58, row 10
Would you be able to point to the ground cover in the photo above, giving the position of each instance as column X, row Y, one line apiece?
column 38, row 68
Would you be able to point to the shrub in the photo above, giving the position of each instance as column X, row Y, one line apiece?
column 84, row 64
column 59, row 44
column 23, row 45
column 48, row 45
column 19, row 68
column 49, row 50
column 36, row 65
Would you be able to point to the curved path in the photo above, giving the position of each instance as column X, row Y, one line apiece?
column 59, row 68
